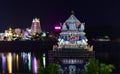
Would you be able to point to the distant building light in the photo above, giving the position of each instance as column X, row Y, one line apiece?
column 102, row 40
column 44, row 34
column 57, row 28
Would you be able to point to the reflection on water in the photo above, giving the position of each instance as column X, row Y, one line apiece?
column 9, row 62
column 34, row 65
column 29, row 61
column 44, row 60
column 3, row 63
column 18, row 62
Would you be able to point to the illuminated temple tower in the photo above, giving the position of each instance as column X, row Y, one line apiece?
column 36, row 27
column 72, row 52
column 73, row 35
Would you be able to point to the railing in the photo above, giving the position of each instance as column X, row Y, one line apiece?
column 73, row 53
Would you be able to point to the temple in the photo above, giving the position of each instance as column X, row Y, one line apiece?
column 36, row 27
column 73, row 35
column 72, row 51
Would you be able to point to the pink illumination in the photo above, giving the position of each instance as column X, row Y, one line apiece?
column 34, row 65
column 57, row 28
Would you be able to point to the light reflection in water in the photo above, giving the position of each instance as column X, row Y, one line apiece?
column 3, row 63
column 44, row 60
column 18, row 62
column 34, row 65
column 29, row 61
column 9, row 62
column 13, row 61
column 25, row 57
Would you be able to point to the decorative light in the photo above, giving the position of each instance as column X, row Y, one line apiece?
column 17, row 61
column 44, row 34
column 29, row 61
column 3, row 63
column 9, row 63
column 57, row 28
column 44, row 60
column 35, row 65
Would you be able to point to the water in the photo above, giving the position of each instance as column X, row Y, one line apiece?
column 24, row 62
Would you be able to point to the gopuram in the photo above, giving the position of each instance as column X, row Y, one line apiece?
column 72, row 51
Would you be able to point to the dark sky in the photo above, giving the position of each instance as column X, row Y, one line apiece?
column 19, row 13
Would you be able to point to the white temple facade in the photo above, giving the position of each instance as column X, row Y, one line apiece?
column 73, row 35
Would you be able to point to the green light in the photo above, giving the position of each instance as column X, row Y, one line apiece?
column 29, row 62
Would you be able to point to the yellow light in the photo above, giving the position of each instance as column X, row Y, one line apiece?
column 17, row 61
column 9, row 62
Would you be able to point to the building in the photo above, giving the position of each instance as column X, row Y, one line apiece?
column 36, row 27
column 72, row 52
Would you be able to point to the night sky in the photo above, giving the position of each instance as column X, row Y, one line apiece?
column 95, row 13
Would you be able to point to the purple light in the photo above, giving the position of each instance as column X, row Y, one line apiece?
column 34, row 65
column 3, row 63
column 57, row 28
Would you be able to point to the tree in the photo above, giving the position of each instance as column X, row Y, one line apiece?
column 41, row 69
column 92, row 67
column 50, row 69
column 53, row 68
column 95, row 67
column 106, row 69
